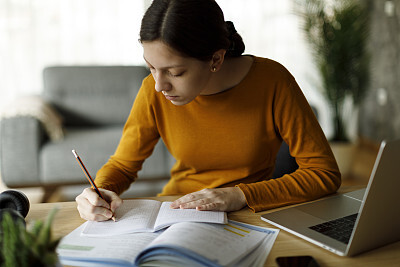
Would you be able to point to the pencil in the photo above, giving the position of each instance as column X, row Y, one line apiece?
column 91, row 181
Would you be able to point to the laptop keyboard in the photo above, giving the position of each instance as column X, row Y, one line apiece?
column 339, row 229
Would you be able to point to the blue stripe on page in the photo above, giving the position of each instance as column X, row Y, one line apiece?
column 252, row 227
column 174, row 251
column 93, row 262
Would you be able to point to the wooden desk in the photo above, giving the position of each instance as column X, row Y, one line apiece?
column 67, row 219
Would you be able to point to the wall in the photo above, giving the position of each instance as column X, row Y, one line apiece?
column 380, row 112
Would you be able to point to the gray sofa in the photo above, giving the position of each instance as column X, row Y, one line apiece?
column 94, row 102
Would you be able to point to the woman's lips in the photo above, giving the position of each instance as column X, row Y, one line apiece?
column 169, row 97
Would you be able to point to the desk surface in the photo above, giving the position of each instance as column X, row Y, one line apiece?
column 67, row 219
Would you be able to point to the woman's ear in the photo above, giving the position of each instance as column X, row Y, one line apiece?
column 217, row 60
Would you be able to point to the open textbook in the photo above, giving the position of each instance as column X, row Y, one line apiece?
column 182, row 244
column 146, row 215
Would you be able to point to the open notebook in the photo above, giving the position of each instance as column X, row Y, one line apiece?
column 146, row 215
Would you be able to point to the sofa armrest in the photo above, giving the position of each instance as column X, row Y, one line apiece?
column 21, row 139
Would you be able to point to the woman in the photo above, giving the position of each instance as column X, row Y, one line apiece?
column 221, row 114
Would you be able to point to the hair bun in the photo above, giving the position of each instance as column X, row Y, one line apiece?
column 231, row 28
column 236, row 47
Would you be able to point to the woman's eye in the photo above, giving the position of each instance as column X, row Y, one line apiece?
column 175, row 75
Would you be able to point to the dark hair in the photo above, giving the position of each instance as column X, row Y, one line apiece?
column 195, row 28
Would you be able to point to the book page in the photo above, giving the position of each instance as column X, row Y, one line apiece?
column 135, row 215
column 123, row 249
column 221, row 244
column 168, row 216
column 259, row 255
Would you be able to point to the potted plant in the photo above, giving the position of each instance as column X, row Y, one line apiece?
column 27, row 247
column 338, row 33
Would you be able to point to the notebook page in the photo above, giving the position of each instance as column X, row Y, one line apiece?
column 168, row 216
column 221, row 244
column 135, row 215
column 109, row 251
column 75, row 249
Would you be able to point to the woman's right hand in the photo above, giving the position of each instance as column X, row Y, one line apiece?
column 91, row 207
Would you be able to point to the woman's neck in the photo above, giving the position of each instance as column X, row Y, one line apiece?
column 231, row 73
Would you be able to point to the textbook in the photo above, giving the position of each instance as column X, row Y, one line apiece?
column 147, row 215
column 182, row 244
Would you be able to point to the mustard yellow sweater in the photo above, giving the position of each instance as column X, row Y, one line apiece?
column 230, row 139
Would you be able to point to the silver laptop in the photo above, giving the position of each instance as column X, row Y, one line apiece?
column 373, row 213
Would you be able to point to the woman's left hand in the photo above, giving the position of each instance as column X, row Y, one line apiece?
column 222, row 199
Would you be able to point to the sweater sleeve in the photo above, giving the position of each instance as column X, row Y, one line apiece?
column 318, row 173
column 138, row 140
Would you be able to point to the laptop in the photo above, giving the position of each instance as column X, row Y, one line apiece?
column 372, row 213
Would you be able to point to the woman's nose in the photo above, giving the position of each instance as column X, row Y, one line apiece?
column 161, row 83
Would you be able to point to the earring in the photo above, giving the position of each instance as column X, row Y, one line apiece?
column 214, row 69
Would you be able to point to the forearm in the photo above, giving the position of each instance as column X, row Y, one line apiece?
column 300, row 186
column 114, row 177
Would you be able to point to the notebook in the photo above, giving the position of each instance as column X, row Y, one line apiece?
column 373, row 211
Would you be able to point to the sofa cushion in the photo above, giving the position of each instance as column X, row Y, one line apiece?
column 94, row 146
column 93, row 95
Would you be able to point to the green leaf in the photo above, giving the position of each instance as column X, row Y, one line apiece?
column 338, row 33
column 22, row 247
